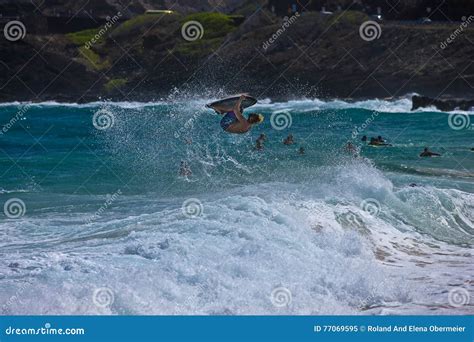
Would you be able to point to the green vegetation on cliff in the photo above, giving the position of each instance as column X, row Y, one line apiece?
column 216, row 26
column 138, row 22
column 92, row 59
column 82, row 37
column 115, row 83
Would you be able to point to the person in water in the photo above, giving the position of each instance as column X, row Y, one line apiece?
column 373, row 141
column 235, row 122
column 301, row 150
column 378, row 142
column 289, row 140
column 259, row 142
column 350, row 148
column 364, row 138
column 428, row 153
column 184, row 169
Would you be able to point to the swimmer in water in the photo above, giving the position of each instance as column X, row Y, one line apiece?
column 350, row 148
column 428, row 153
column 289, row 140
column 184, row 169
column 377, row 142
column 259, row 142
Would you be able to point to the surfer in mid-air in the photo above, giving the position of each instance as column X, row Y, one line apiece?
column 234, row 121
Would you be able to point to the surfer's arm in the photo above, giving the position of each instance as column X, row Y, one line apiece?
column 237, row 111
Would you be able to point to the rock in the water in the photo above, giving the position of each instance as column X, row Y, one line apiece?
column 444, row 105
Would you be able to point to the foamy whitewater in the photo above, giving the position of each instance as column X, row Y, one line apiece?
column 109, row 226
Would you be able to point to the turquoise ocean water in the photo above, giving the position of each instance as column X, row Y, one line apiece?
column 92, row 199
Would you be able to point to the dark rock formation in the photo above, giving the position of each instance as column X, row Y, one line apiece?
column 444, row 105
column 145, row 57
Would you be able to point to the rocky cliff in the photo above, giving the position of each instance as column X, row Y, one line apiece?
column 150, row 56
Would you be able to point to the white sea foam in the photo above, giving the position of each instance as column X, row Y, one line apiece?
column 398, row 105
column 316, row 241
